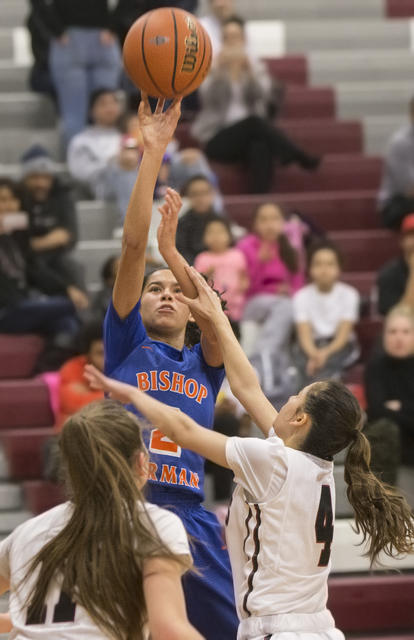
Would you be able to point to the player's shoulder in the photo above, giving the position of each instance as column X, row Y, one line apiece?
column 169, row 528
column 49, row 521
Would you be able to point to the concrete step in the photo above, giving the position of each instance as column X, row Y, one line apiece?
column 96, row 220
column 358, row 100
column 360, row 66
column 13, row 13
column 377, row 130
column 309, row 9
column 10, row 497
column 14, row 142
column 6, row 44
column 93, row 253
column 26, row 110
column 13, row 77
column 4, row 466
column 9, row 520
column 346, row 35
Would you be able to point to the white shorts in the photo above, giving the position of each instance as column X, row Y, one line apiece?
column 290, row 626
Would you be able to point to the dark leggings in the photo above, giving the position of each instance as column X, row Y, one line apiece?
column 258, row 144
column 47, row 316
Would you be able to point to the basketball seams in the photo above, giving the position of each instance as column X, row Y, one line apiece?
column 144, row 58
column 175, row 53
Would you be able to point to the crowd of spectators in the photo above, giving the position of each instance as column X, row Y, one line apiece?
column 294, row 316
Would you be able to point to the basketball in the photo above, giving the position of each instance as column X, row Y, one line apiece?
column 167, row 53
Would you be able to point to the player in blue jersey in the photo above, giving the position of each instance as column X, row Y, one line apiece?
column 144, row 334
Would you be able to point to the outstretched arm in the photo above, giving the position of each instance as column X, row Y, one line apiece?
column 157, row 130
column 174, row 424
column 240, row 373
column 166, row 244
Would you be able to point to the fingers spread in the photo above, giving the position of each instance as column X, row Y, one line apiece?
column 160, row 106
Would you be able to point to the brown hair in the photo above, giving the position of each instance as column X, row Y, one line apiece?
column 101, row 550
column 287, row 253
column 381, row 514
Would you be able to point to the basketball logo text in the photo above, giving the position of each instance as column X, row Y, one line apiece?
column 191, row 47
column 175, row 382
column 159, row 40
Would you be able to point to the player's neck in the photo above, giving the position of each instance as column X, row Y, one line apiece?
column 176, row 341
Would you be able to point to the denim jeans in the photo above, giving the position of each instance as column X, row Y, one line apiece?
column 78, row 68
column 48, row 316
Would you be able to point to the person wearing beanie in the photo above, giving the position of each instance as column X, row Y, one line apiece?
column 52, row 220
column 395, row 282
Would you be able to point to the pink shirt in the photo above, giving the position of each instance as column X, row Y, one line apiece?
column 265, row 277
column 226, row 270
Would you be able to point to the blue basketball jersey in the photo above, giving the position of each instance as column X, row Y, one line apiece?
column 180, row 379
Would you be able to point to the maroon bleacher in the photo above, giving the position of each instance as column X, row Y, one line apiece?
column 372, row 603
column 308, row 102
column 41, row 495
column 336, row 173
column 363, row 281
column 366, row 250
column 369, row 332
column 399, row 8
column 24, row 403
column 23, row 449
column 344, row 210
column 18, row 355
column 288, row 69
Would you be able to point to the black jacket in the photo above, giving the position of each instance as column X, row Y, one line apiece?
column 190, row 232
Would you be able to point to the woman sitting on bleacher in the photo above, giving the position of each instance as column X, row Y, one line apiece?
column 325, row 313
column 233, row 123
column 389, row 383
column 33, row 298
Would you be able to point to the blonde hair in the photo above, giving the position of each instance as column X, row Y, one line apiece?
column 400, row 310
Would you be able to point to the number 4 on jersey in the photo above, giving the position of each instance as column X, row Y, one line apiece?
column 324, row 525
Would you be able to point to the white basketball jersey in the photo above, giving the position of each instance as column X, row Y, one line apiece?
column 63, row 619
column 279, row 528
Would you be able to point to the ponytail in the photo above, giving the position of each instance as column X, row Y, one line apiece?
column 100, row 552
column 381, row 514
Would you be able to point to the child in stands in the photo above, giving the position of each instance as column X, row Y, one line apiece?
column 325, row 313
column 225, row 265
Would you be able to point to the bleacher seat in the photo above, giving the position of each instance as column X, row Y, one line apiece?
column 288, row 69
column 41, row 495
column 336, row 173
column 24, row 403
column 369, row 332
column 23, row 450
column 308, row 102
column 366, row 250
column 345, row 210
column 363, row 281
column 400, row 8
column 18, row 355
column 325, row 136
column 372, row 603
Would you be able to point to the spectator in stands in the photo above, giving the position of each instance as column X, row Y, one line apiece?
column 52, row 216
column 220, row 11
column 395, row 280
column 40, row 79
column 103, row 297
column 233, row 122
column 74, row 391
column 389, row 383
column 192, row 224
column 33, row 299
column 225, row 265
column 274, row 275
column 396, row 195
column 325, row 313
column 84, row 55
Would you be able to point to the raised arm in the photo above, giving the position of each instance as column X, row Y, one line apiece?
column 174, row 424
column 177, row 263
column 157, row 130
column 240, row 373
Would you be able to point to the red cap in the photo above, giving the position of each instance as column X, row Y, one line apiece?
column 407, row 225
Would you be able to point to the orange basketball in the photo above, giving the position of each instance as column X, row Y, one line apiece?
column 167, row 53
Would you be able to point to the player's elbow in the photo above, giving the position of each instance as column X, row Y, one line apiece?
column 134, row 243
column 175, row 630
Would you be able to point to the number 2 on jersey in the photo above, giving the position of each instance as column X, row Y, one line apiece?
column 324, row 525
column 159, row 443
